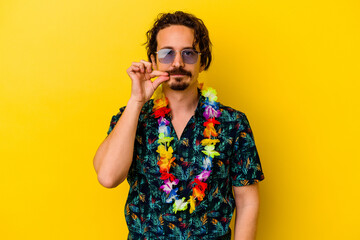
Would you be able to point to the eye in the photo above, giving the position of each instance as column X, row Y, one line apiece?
column 170, row 52
column 188, row 52
column 165, row 52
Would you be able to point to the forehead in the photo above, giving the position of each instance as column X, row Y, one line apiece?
column 175, row 36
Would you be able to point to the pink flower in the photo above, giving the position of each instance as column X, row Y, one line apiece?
column 168, row 185
column 162, row 121
column 210, row 112
column 203, row 175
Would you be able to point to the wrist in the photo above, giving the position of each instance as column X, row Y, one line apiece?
column 135, row 103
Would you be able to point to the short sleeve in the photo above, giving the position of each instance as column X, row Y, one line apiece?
column 245, row 163
column 115, row 119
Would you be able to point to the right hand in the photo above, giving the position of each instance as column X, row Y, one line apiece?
column 142, row 87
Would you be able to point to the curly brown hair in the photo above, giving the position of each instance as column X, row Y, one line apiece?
column 201, row 34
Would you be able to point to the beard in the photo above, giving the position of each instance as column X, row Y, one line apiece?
column 179, row 84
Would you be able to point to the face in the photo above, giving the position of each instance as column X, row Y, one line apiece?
column 182, row 75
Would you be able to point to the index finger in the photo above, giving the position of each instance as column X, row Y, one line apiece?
column 157, row 73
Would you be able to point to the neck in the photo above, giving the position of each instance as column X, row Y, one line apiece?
column 182, row 102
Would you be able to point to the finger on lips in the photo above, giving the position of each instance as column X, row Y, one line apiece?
column 157, row 73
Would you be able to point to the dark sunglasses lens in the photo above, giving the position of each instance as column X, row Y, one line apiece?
column 189, row 56
column 166, row 55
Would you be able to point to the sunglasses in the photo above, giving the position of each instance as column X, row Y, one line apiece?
column 167, row 55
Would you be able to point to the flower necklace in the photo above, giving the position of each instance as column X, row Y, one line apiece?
column 165, row 151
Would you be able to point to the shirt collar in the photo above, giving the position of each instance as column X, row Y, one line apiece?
column 199, row 108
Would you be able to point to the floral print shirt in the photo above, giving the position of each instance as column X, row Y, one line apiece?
column 147, row 214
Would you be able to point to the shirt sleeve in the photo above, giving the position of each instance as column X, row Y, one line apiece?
column 115, row 119
column 245, row 164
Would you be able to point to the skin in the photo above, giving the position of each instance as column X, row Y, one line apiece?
column 178, row 37
column 247, row 202
column 114, row 156
column 182, row 102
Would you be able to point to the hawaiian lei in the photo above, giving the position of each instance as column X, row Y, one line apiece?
column 165, row 151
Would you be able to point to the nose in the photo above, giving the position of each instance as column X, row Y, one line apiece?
column 178, row 61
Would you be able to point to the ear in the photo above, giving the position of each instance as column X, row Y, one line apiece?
column 202, row 67
column 153, row 62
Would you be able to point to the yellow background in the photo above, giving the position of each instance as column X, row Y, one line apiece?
column 291, row 66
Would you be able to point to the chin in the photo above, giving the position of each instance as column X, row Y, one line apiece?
column 178, row 84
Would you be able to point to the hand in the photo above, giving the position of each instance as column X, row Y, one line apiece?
column 142, row 87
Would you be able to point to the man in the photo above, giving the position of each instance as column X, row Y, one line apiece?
column 182, row 152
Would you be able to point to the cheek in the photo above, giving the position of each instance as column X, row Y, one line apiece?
column 196, row 70
column 162, row 67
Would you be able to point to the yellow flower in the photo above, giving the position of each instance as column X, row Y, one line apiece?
column 159, row 103
column 163, row 153
column 180, row 205
column 164, row 140
column 209, row 141
column 209, row 150
column 158, row 93
column 210, row 93
column 192, row 202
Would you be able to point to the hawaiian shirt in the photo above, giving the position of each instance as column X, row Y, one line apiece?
column 147, row 214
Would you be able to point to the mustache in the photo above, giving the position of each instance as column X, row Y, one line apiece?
column 177, row 71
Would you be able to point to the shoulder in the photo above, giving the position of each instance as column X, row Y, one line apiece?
column 234, row 119
column 229, row 114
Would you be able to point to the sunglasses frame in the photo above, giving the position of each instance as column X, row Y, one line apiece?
column 181, row 51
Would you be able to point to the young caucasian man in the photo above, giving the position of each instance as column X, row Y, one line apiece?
column 182, row 152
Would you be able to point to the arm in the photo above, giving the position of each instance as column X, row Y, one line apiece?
column 247, row 207
column 113, row 158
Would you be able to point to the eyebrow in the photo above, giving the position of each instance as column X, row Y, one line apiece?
column 191, row 47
